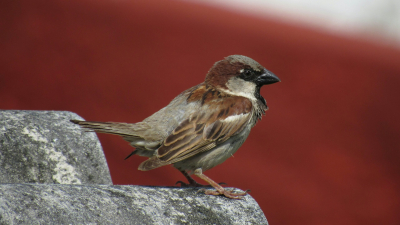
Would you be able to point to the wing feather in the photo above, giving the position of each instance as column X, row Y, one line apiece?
column 201, row 132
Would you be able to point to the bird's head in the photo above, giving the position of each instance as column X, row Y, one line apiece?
column 240, row 75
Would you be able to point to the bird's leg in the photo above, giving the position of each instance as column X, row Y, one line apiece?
column 219, row 190
column 192, row 182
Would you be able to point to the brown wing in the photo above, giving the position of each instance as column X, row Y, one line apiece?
column 211, row 125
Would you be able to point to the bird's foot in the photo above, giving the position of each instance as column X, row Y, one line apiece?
column 226, row 193
column 191, row 184
column 219, row 190
column 194, row 184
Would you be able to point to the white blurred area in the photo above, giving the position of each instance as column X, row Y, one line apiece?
column 378, row 20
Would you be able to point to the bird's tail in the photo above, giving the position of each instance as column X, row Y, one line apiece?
column 130, row 132
column 121, row 129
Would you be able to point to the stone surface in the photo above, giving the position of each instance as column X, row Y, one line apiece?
column 106, row 204
column 52, row 172
column 45, row 147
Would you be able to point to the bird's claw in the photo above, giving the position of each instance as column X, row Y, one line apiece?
column 195, row 184
column 183, row 184
column 226, row 193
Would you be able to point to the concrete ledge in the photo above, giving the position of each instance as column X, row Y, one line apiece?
column 52, row 172
column 107, row 204
column 44, row 147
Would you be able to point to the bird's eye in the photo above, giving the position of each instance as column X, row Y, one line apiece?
column 247, row 72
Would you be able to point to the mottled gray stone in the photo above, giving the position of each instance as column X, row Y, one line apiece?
column 106, row 204
column 45, row 147
column 39, row 147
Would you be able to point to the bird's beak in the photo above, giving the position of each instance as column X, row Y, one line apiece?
column 267, row 77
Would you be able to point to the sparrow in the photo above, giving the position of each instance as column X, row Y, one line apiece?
column 203, row 126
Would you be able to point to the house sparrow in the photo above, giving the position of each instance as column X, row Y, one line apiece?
column 203, row 126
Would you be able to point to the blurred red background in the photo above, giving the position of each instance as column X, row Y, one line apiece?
column 327, row 151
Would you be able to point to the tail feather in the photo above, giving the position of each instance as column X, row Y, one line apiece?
column 122, row 129
column 131, row 154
